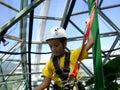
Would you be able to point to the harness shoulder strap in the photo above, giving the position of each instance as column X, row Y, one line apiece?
column 66, row 68
column 56, row 66
column 63, row 74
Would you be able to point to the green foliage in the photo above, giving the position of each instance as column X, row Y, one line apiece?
column 111, row 72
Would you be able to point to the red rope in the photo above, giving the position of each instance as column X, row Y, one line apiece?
column 74, row 73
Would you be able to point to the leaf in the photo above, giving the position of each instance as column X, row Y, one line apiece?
column 113, row 65
column 110, row 70
column 112, row 86
column 89, row 82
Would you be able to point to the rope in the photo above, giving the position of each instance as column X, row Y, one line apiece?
column 88, row 25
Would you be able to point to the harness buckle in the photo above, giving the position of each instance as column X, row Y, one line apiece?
column 66, row 69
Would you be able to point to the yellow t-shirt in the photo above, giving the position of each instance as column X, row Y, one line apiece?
column 49, row 70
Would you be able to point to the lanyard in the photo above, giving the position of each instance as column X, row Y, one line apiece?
column 88, row 25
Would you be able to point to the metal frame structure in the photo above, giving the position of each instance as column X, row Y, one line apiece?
column 20, row 77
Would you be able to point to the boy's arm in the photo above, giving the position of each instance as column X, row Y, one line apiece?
column 90, row 40
column 44, row 84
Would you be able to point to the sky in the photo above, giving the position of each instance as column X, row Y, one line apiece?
column 56, row 10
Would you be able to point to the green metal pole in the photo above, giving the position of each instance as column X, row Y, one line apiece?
column 23, row 30
column 97, row 60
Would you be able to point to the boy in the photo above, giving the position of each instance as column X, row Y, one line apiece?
column 57, row 40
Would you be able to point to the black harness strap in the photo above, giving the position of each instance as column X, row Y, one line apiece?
column 66, row 68
column 63, row 74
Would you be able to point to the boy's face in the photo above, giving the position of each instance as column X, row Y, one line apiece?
column 56, row 46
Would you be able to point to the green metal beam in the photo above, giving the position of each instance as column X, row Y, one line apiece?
column 9, row 6
column 21, row 14
column 23, row 30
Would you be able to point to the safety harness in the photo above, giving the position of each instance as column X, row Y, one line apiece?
column 62, row 73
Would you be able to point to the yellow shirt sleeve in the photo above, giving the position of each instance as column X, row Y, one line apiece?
column 47, row 70
column 74, row 56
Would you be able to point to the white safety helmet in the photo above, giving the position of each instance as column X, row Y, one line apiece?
column 56, row 32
